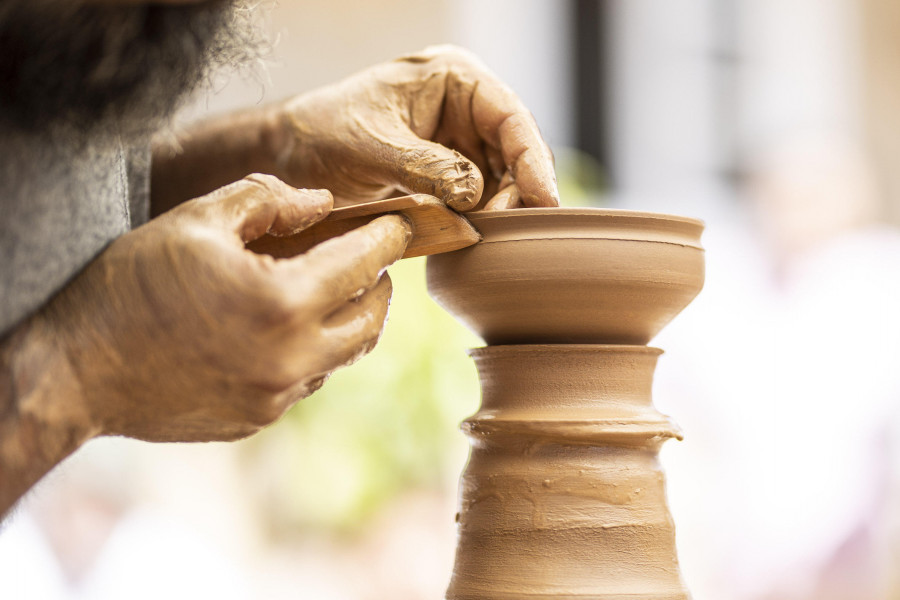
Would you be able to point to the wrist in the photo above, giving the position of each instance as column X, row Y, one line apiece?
column 275, row 140
column 215, row 152
column 43, row 417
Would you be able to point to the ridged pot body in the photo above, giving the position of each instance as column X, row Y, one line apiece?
column 569, row 275
column 563, row 496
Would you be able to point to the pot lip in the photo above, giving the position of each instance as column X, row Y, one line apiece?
column 559, row 223
column 588, row 211
column 608, row 349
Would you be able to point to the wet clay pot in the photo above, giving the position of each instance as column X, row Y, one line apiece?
column 571, row 275
column 563, row 496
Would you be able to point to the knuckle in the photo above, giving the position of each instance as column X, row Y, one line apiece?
column 316, row 383
column 375, row 327
column 195, row 209
column 261, row 187
column 371, row 341
column 235, row 189
column 442, row 58
column 267, row 403
column 281, row 375
column 388, row 285
column 255, row 407
column 361, row 349
column 269, row 183
column 265, row 411
column 302, row 389
column 275, row 306
column 254, row 299
column 452, row 53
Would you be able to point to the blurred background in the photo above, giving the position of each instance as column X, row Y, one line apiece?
column 775, row 121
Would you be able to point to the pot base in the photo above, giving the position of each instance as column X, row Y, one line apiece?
column 563, row 495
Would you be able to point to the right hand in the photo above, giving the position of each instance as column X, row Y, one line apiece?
column 178, row 333
column 435, row 122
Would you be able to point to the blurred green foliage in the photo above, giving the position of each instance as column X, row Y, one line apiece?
column 582, row 180
column 384, row 425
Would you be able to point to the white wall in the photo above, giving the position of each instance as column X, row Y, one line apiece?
column 320, row 41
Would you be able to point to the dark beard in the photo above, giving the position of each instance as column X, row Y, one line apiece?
column 122, row 70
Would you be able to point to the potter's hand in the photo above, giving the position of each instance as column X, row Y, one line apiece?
column 177, row 332
column 438, row 122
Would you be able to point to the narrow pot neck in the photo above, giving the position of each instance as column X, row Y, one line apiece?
column 570, row 394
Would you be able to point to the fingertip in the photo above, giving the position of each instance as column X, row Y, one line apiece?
column 407, row 224
column 536, row 181
column 303, row 208
column 323, row 197
column 462, row 202
column 316, row 204
column 505, row 199
column 553, row 196
column 534, row 201
column 398, row 224
column 385, row 286
column 464, row 192
column 433, row 169
column 541, row 200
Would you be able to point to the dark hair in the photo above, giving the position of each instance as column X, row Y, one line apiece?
column 63, row 62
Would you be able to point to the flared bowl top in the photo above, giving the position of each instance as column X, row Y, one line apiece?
column 571, row 275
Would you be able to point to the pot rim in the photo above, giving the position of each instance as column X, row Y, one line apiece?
column 522, row 224
column 580, row 210
column 557, row 349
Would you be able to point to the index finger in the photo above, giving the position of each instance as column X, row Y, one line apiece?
column 346, row 266
column 502, row 121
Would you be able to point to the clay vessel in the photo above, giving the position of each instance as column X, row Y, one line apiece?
column 571, row 275
column 563, row 496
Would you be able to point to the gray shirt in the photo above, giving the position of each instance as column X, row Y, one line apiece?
column 61, row 203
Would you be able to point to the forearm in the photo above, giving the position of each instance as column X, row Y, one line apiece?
column 42, row 417
column 214, row 153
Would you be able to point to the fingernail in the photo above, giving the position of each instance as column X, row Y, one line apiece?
column 465, row 188
column 532, row 200
column 554, row 193
column 408, row 226
column 463, row 196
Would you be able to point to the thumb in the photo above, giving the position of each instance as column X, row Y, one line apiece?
column 424, row 167
column 260, row 204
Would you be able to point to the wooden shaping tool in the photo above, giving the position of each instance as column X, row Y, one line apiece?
column 435, row 227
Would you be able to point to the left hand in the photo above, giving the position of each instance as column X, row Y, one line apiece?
column 437, row 122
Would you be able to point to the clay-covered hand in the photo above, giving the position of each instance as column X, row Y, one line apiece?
column 437, row 122
column 177, row 332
